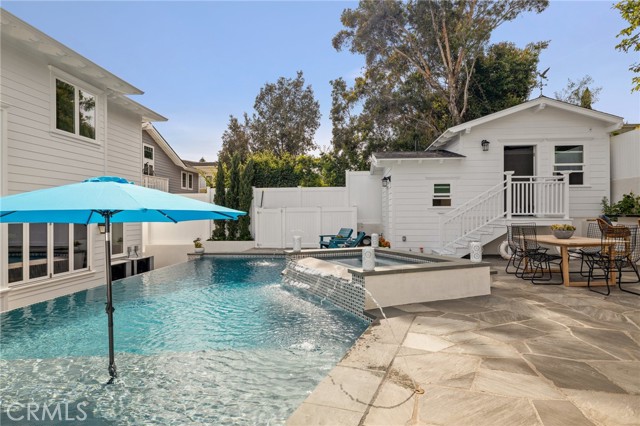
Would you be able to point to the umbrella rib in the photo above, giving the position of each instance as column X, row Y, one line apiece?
column 226, row 215
column 7, row 213
column 167, row 216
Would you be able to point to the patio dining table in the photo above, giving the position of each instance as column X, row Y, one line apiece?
column 565, row 245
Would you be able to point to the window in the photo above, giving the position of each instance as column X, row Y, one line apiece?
column 570, row 158
column 48, row 250
column 75, row 110
column 187, row 180
column 441, row 195
column 16, row 248
column 148, row 152
column 149, row 164
column 117, row 238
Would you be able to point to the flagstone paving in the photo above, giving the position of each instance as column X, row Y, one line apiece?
column 525, row 355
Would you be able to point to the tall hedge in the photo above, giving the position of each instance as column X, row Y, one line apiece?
column 246, row 195
column 233, row 196
column 219, row 233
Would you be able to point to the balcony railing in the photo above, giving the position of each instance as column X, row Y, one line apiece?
column 154, row 182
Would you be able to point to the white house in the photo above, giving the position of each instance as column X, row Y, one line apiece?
column 543, row 160
column 62, row 119
column 625, row 162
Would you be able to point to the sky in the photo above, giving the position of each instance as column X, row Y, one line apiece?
column 200, row 62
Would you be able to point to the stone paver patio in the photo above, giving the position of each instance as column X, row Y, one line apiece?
column 525, row 355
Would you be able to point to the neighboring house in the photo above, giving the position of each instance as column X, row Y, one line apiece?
column 63, row 119
column 625, row 162
column 207, row 171
column 461, row 188
column 162, row 168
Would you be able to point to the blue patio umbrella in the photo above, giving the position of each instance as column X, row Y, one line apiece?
column 107, row 199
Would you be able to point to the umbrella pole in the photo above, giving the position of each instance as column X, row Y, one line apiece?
column 109, row 309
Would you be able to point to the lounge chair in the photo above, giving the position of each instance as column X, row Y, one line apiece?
column 341, row 236
column 349, row 243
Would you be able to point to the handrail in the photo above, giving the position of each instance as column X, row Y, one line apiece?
column 514, row 196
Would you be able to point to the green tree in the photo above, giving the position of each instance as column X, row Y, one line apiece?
column 574, row 92
column 219, row 198
column 233, row 196
column 286, row 117
column 246, row 196
column 630, row 11
column 438, row 40
column 235, row 140
column 504, row 76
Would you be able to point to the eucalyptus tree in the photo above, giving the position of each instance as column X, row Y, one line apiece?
column 580, row 92
column 630, row 36
column 286, row 117
column 437, row 40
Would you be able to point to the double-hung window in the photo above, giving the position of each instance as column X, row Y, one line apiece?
column 187, row 180
column 441, row 195
column 149, row 164
column 75, row 109
column 570, row 158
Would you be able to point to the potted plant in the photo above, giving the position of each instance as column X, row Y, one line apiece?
column 628, row 206
column 197, row 244
column 562, row 231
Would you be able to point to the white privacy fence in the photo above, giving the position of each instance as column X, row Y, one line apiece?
column 275, row 228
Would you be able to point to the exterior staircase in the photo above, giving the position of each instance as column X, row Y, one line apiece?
column 484, row 217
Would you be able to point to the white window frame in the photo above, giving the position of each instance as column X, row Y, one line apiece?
column 441, row 196
column 188, row 177
column 583, row 165
column 146, row 160
column 50, row 257
column 57, row 74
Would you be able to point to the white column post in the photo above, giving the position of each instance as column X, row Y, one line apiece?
column 509, row 194
column 565, row 178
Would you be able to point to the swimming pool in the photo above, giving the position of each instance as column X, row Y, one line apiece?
column 216, row 341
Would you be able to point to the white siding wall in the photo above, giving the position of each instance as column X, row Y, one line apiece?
column 36, row 158
column 411, row 190
column 625, row 164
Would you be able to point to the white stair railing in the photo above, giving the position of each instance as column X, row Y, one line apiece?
column 526, row 196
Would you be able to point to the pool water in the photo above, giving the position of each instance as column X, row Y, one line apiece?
column 215, row 341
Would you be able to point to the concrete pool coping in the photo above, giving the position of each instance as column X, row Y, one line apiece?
column 433, row 262
column 524, row 355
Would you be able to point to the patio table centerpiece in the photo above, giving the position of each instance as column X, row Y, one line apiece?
column 562, row 231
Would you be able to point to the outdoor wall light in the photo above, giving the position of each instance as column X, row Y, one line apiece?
column 385, row 181
column 485, row 145
column 102, row 228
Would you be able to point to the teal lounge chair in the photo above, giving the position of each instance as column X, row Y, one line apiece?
column 349, row 243
column 342, row 236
